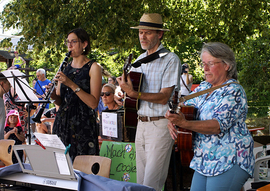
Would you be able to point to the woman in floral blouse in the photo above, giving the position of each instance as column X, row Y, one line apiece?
column 223, row 146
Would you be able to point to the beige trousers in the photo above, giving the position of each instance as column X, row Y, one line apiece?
column 153, row 152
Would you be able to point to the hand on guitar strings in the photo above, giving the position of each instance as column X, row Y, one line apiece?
column 174, row 121
column 126, row 86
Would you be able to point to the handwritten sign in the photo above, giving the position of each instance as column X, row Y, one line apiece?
column 123, row 157
column 109, row 124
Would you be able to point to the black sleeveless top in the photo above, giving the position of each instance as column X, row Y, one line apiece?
column 75, row 122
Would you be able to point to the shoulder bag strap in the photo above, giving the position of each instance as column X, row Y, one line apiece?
column 185, row 84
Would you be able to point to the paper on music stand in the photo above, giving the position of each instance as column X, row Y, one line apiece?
column 48, row 140
column 23, row 83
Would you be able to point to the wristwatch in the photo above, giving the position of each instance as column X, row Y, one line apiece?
column 77, row 90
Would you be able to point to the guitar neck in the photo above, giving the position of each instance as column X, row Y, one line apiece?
column 127, row 66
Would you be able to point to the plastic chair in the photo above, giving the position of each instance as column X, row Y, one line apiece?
column 91, row 164
column 6, row 148
column 256, row 178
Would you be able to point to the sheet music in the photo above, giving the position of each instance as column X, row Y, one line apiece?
column 50, row 140
column 54, row 141
column 24, row 84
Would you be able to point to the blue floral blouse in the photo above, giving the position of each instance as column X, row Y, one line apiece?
column 217, row 153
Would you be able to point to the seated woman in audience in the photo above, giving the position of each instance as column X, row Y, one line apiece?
column 107, row 94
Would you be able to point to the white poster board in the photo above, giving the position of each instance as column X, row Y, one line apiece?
column 109, row 124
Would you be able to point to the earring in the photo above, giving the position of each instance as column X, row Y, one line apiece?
column 83, row 49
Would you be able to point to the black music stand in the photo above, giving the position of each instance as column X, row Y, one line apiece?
column 26, row 94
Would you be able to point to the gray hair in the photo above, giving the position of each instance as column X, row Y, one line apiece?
column 110, row 86
column 223, row 52
column 41, row 71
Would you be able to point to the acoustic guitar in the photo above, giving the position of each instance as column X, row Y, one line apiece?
column 184, row 136
column 131, row 105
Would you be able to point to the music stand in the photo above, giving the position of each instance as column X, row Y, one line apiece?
column 26, row 94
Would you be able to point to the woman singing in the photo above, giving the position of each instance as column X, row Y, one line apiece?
column 77, row 94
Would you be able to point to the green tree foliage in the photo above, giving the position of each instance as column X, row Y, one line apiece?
column 254, row 59
column 45, row 24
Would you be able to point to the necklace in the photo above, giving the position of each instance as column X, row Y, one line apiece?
column 115, row 106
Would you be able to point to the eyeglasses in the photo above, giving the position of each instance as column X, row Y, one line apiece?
column 105, row 93
column 72, row 42
column 210, row 64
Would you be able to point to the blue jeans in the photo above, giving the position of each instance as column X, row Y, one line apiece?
column 231, row 180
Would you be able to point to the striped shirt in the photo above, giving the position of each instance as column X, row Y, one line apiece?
column 161, row 73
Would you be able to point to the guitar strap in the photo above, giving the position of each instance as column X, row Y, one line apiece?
column 162, row 52
column 185, row 98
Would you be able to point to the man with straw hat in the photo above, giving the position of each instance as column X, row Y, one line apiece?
column 161, row 76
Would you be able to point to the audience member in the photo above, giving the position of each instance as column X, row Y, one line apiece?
column 17, row 61
column 101, row 107
column 13, row 130
column 41, row 84
column 112, row 80
column 10, row 99
column 107, row 94
column 4, row 88
column 186, row 80
column 47, row 120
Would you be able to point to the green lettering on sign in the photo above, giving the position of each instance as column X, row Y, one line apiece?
column 123, row 157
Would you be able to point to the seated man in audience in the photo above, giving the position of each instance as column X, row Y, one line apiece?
column 47, row 120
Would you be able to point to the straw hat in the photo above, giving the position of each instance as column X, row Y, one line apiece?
column 151, row 21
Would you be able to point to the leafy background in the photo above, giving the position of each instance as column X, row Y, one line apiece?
column 242, row 24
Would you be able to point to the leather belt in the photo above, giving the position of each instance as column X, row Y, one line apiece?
column 146, row 118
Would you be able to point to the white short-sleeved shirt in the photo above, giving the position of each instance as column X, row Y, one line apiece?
column 161, row 73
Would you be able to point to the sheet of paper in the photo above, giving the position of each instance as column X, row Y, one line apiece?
column 20, row 84
column 62, row 163
column 50, row 140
